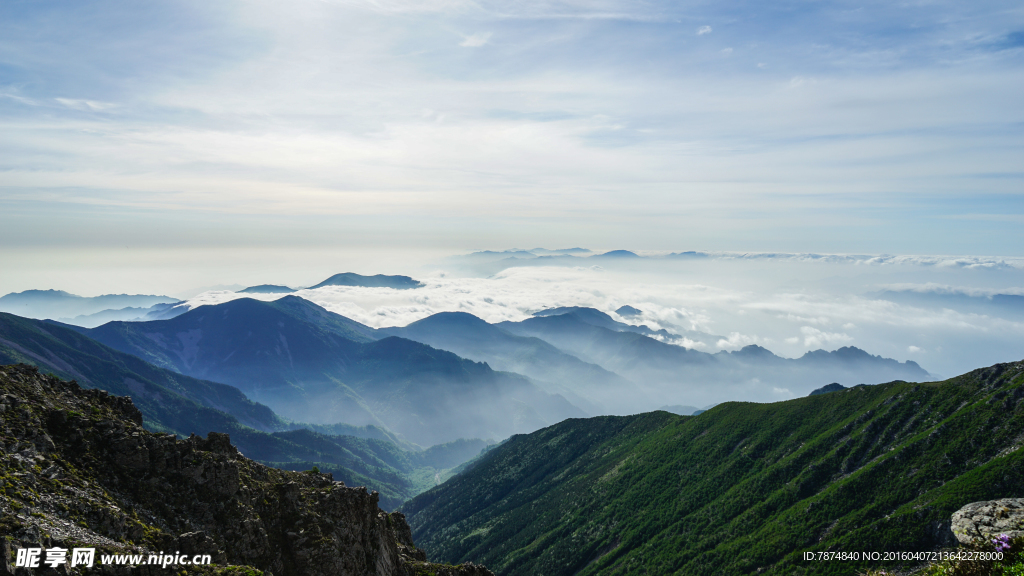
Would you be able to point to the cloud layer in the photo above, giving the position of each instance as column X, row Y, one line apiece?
column 816, row 128
column 789, row 306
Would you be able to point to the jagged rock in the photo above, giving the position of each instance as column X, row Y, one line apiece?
column 79, row 469
column 6, row 566
column 985, row 520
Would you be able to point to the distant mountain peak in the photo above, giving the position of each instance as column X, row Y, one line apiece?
column 266, row 289
column 852, row 352
column 451, row 319
column 833, row 387
column 375, row 281
column 844, row 353
column 50, row 292
column 569, row 310
column 628, row 310
column 753, row 350
column 561, row 251
column 617, row 254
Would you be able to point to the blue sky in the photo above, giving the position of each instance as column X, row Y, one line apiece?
column 824, row 126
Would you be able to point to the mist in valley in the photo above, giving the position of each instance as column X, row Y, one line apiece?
column 697, row 329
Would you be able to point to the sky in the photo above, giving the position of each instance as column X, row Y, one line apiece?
column 199, row 132
column 174, row 147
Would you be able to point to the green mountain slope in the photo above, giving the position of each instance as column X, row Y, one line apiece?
column 743, row 488
column 397, row 474
column 311, row 365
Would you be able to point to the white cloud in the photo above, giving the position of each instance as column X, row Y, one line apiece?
column 19, row 99
column 814, row 338
column 945, row 289
column 476, row 40
column 929, row 261
column 693, row 344
column 736, row 340
column 914, row 349
column 88, row 105
column 703, row 30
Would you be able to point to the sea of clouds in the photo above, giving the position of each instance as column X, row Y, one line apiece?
column 788, row 303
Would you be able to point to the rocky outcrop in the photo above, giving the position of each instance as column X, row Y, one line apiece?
column 986, row 520
column 77, row 469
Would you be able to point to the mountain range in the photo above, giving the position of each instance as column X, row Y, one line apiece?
column 312, row 365
column 609, row 367
column 734, row 488
column 182, row 405
column 587, row 385
column 315, row 366
column 595, row 363
column 740, row 489
column 693, row 377
column 60, row 304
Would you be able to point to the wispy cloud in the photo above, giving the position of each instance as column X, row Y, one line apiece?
column 815, row 338
column 19, row 99
column 476, row 40
column 88, row 105
column 736, row 340
column 703, row 30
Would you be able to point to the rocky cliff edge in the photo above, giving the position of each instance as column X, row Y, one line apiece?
column 78, row 470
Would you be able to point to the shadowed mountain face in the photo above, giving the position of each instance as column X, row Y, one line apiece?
column 376, row 281
column 692, row 377
column 170, row 401
column 587, row 385
column 154, row 312
column 598, row 318
column 312, row 365
column 59, row 304
column 743, row 488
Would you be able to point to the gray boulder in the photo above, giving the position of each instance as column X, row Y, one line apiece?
column 986, row 520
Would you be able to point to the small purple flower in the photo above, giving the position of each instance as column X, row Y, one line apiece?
column 1002, row 543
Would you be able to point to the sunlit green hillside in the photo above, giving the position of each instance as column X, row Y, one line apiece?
column 743, row 488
